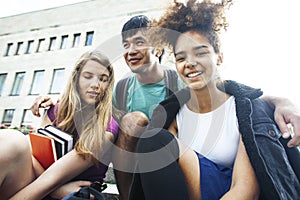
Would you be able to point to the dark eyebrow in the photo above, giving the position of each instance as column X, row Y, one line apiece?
column 136, row 38
column 200, row 47
column 177, row 53
column 104, row 75
column 194, row 49
column 139, row 38
column 90, row 73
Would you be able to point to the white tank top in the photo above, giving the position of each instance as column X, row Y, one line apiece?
column 214, row 135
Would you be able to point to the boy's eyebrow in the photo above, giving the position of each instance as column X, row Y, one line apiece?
column 139, row 38
column 136, row 38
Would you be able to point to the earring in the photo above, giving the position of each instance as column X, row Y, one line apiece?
column 158, row 52
column 220, row 59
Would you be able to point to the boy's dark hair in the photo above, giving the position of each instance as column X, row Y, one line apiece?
column 133, row 25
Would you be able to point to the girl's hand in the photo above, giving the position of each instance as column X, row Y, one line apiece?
column 68, row 188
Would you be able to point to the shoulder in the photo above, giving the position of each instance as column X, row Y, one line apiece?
column 125, row 80
column 52, row 112
column 113, row 126
column 240, row 90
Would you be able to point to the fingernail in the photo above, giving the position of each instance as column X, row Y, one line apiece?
column 290, row 145
column 285, row 135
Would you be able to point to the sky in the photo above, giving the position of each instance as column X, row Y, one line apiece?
column 261, row 46
column 13, row 7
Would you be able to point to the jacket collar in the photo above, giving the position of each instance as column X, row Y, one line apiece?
column 239, row 90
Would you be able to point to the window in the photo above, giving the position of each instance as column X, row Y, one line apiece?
column 64, row 40
column 29, row 47
column 8, row 50
column 36, row 82
column 8, row 116
column 19, row 48
column 58, row 79
column 40, row 45
column 18, row 83
column 2, row 81
column 27, row 117
column 89, row 38
column 52, row 44
column 76, row 40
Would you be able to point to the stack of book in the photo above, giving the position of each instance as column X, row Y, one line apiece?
column 50, row 144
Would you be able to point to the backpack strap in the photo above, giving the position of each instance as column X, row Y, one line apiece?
column 171, row 81
column 121, row 93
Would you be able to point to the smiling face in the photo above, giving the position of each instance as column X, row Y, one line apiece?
column 138, row 55
column 92, row 82
column 196, row 60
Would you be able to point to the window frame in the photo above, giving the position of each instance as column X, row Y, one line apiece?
column 52, row 43
column 20, row 46
column 4, row 120
column 56, row 81
column 29, row 48
column 8, row 49
column 76, row 40
column 89, row 38
column 35, row 82
column 27, row 112
column 40, row 43
column 16, row 89
column 2, row 81
column 64, row 42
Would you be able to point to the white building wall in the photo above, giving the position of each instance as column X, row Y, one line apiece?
column 104, row 17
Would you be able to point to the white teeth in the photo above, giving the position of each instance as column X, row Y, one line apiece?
column 192, row 75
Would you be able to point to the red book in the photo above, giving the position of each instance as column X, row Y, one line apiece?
column 43, row 149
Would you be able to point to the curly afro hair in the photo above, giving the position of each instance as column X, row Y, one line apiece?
column 205, row 17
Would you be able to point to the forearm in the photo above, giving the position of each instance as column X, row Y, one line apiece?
column 244, row 183
column 38, row 169
column 271, row 100
column 63, row 170
column 69, row 188
column 36, row 190
column 237, row 193
column 276, row 101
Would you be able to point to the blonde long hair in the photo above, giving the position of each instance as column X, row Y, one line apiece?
column 92, row 132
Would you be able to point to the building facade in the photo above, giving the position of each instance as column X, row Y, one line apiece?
column 39, row 49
